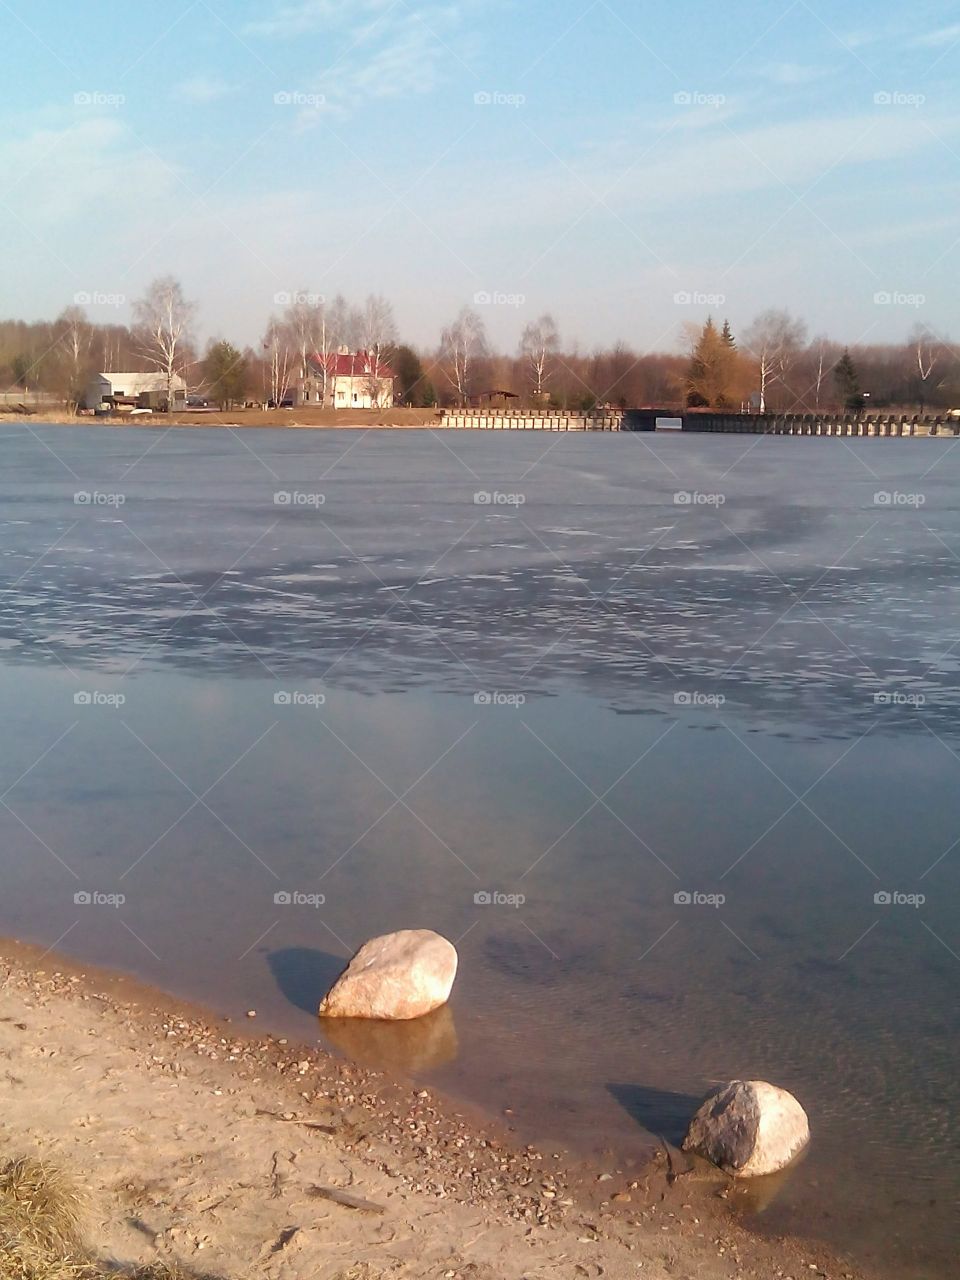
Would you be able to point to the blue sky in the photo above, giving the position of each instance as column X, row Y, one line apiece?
column 596, row 159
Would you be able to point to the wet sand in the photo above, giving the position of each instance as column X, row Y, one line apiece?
column 198, row 1142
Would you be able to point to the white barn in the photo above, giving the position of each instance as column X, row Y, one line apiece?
column 149, row 390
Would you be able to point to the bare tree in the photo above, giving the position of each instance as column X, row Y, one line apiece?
column 280, row 349
column 774, row 340
column 379, row 333
column 162, row 319
column 539, row 344
column 76, row 340
column 462, row 345
column 305, row 322
column 925, row 350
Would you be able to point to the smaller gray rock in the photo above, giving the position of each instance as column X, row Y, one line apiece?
column 749, row 1128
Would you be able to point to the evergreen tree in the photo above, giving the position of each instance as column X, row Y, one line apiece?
column 848, row 382
column 712, row 375
column 411, row 388
column 225, row 372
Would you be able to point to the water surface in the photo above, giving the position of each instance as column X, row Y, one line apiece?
column 604, row 673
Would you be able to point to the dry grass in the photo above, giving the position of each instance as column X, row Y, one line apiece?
column 40, row 1230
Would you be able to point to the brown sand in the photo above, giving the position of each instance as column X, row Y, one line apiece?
column 196, row 1143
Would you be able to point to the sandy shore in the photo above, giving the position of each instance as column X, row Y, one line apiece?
column 197, row 1143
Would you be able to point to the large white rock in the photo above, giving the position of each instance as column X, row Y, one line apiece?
column 748, row 1128
column 398, row 976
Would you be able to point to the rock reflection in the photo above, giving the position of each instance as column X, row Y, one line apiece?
column 413, row 1047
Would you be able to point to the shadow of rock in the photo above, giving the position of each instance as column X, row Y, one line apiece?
column 412, row 1047
column 659, row 1111
column 304, row 974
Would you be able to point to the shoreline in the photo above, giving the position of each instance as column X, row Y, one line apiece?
column 410, row 1181
column 397, row 419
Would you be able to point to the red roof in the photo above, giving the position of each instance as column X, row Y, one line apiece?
column 356, row 364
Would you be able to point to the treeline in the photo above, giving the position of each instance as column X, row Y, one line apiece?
column 773, row 365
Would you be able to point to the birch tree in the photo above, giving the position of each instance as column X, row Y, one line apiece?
column 162, row 321
column 539, row 344
column 925, row 350
column 462, row 345
column 76, row 340
column 279, row 345
column 379, row 333
column 774, row 340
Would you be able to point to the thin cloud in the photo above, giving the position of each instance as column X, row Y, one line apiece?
column 938, row 39
column 201, row 90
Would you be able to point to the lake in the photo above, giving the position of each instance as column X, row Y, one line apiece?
column 662, row 731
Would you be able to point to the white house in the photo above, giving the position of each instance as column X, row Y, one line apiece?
column 355, row 380
column 146, row 390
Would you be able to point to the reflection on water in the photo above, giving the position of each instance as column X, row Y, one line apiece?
column 697, row 740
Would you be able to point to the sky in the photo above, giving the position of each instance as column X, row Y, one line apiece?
column 627, row 167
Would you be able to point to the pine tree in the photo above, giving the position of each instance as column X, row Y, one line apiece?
column 712, row 376
column 848, row 381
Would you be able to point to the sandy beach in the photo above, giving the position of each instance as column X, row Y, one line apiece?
column 198, row 1145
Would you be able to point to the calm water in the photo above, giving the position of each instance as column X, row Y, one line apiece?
column 599, row 698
